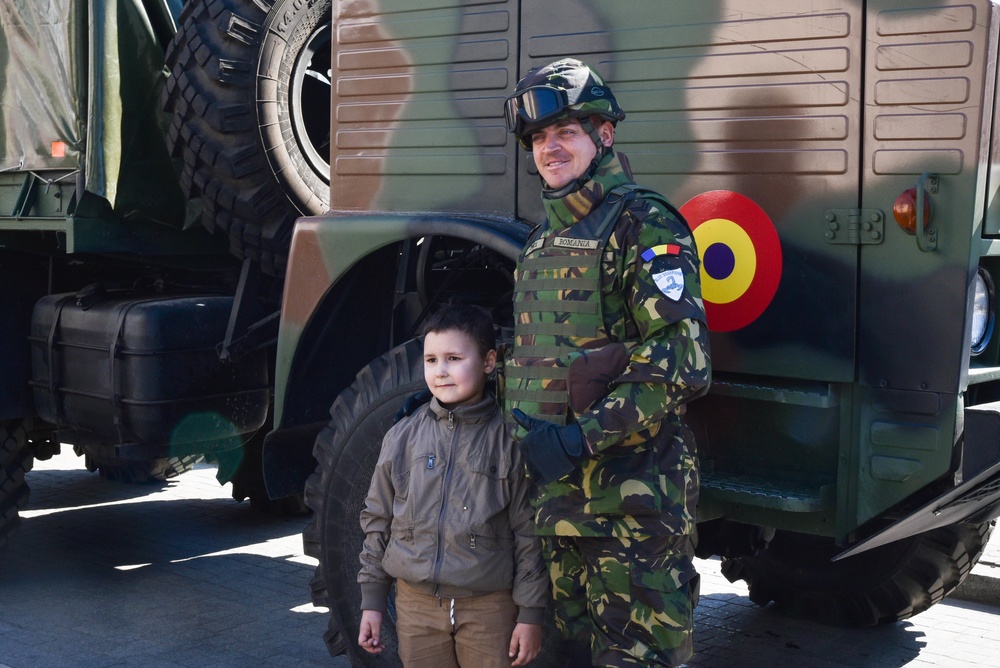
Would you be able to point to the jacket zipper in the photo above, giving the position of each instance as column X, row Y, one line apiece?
column 444, row 497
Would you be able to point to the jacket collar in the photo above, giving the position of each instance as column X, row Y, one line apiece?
column 565, row 211
column 469, row 414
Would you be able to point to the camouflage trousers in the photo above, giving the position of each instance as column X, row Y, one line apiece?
column 630, row 599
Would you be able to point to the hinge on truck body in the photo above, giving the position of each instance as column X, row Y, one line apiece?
column 854, row 226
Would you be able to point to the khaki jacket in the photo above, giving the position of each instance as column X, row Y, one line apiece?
column 448, row 512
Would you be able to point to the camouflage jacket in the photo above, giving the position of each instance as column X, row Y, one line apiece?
column 641, row 477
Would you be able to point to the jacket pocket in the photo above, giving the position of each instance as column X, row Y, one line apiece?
column 490, row 465
column 664, row 593
column 490, row 552
column 664, row 575
column 489, row 485
column 402, row 531
column 403, row 558
column 401, row 481
column 624, row 485
column 412, row 480
column 679, row 490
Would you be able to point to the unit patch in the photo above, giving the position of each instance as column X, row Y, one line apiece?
column 670, row 283
column 535, row 245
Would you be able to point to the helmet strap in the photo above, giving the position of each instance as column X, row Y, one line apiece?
column 595, row 136
column 602, row 150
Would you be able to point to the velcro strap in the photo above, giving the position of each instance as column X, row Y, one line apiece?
column 561, row 262
column 536, row 372
column 555, row 306
column 532, row 284
column 524, row 350
column 554, row 329
column 538, row 396
column 557, row 418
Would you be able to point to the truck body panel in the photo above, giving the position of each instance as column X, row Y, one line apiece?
column 819, row 419
column 414, row 107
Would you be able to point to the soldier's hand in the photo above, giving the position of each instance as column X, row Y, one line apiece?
column 550, row 451
column 412, row 403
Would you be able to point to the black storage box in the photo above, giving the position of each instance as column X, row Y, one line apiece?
column 143, row 370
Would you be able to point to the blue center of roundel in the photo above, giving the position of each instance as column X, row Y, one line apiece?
column 719, row 261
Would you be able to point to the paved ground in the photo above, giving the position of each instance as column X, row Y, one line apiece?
column 107, row 575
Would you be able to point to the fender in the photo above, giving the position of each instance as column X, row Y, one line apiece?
column 336, row 259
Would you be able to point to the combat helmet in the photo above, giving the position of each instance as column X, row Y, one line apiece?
column 567, row 88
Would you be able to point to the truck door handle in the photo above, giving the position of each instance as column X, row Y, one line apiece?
column 926, row 236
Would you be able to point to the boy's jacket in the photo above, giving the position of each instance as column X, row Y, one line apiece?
column 448, row 512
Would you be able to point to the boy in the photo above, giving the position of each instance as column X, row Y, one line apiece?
column 447, row 516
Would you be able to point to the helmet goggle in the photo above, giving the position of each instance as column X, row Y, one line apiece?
column 536, row 104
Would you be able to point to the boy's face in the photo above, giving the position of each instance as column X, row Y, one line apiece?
column 454, row 369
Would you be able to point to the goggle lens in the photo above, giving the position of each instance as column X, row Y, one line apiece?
column 541, row 103
column 533, row 104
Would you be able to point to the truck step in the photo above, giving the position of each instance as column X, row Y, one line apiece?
column 793, row 496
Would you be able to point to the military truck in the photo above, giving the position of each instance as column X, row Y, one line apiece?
column 836, row 162
column 154, row 158
column 226, row 220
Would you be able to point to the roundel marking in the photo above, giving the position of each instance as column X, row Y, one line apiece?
column 740, row 257
column 723, row 278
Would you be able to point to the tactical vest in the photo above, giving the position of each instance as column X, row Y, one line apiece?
column 558, row 308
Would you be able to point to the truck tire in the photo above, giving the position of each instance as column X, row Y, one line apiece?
column 15, row 461
column 346, row 451
column 881, row 586
column 135, row 471
column 249, row 95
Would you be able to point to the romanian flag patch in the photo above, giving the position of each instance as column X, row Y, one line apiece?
column 662, row 249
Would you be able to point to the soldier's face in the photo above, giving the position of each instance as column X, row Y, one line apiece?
column 454, row 369
column 563, row 151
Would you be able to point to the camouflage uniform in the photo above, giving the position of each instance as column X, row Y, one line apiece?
column 618, row 343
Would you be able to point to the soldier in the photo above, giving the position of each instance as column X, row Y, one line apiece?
column 610, row 343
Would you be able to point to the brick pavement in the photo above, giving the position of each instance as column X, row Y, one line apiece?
column 731, row 631
column 103, row 574
column 106, row 575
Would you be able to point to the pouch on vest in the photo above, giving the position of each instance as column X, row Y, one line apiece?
column 591, row 373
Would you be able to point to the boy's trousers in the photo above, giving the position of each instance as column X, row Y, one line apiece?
column 470, row 632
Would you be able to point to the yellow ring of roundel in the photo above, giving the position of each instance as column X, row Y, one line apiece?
column 732, row 287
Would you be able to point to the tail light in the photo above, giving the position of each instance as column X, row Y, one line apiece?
column 904, row 210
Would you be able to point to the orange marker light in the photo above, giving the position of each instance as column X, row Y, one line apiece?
column 904, row 210
column 58, row 149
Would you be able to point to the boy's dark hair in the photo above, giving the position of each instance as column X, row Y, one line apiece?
column 474, row 321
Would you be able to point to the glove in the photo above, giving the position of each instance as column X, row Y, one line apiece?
column 550, row 451
column 412, row 403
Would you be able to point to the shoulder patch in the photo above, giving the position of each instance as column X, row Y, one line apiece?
column 670, row 283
